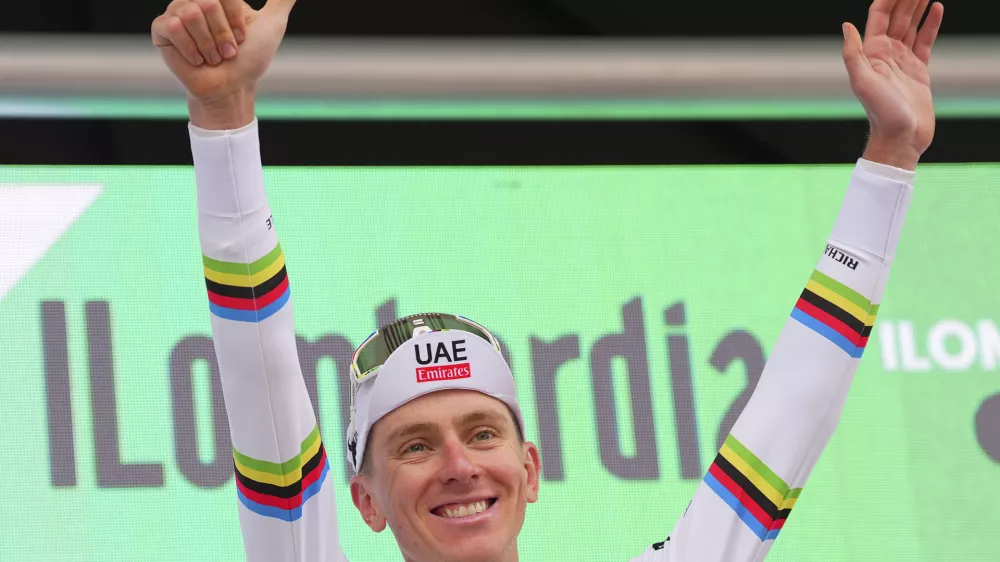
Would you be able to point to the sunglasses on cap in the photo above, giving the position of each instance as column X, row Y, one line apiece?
column 375, row 350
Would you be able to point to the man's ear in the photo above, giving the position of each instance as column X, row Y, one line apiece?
column 367, row 503
column 533, row 466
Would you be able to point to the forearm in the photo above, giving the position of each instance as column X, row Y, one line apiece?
column 754, row 482
column 797, row 405
column 812, row 365
column 287, row 509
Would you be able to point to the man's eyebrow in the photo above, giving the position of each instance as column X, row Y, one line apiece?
column 478, row 416
column 409, row 430
column 482, row 416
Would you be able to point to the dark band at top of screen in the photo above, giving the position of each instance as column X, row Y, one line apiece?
column 55, row 142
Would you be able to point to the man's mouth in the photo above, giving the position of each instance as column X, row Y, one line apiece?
column 459, row 510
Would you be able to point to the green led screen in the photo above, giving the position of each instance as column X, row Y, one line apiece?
column 106, row 323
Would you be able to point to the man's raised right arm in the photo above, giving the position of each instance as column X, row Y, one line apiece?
column 285, row 495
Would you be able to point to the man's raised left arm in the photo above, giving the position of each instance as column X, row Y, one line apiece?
column 754, row 482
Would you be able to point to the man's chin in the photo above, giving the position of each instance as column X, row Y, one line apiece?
column 475, row 551
column 474, row 545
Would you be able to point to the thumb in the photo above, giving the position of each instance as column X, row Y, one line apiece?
column 854, row 57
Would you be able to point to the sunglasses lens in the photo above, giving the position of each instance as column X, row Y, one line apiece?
column 371, row 355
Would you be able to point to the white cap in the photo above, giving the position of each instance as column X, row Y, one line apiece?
column 442, row 360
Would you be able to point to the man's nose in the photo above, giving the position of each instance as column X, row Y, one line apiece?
column 458, row 465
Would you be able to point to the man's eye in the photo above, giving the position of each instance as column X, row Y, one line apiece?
column 484, row 436
column 415, row 448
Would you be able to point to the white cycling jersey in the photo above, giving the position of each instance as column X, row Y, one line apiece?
column 286, row 500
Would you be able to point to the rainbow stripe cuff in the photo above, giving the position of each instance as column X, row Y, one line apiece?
column 836, row 312
column 280, row 490
column 759, row 497
column 247, row 292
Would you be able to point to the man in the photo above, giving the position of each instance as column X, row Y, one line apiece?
column 436, row 433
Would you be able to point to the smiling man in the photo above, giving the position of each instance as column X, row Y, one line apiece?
column 436, row 434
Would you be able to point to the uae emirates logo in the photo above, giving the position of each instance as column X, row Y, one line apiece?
column 444, row 372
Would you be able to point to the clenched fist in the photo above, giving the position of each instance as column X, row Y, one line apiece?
column 219, row 50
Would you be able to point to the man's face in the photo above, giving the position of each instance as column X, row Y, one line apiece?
column 450, row 477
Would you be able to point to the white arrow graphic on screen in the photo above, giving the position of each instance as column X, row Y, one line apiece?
column 32, row 219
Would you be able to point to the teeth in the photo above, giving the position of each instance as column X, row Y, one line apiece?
column 466, row 510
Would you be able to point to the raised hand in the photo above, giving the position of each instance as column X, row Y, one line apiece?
column 219, row 50
column 889, row 76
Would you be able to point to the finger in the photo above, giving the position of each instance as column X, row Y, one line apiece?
column 196, row 24
column 169, row 33
column 236, row 18
column 928, row 33
column 160, row 25
column 174, row 58
column 218, row 26
column 878, row 17
column 918, row 16
column 854, row 58
column 158, row 31
column 902, row 17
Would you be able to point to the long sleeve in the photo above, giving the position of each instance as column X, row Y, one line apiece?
column 285, row 495
column 751, row 488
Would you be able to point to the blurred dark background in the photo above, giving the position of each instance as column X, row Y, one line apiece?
column 650, row 18
column 343, row 141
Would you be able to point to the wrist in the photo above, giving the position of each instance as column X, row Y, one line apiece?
column 892, row 151
column 226, row 113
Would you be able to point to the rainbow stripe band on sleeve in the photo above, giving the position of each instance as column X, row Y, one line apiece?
column 759, row 497
column 280, row 490
column 836, row 312
column 247, row 292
